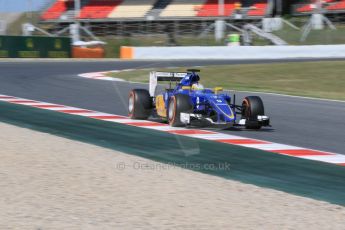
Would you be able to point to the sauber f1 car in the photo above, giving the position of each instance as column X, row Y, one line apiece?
column 188, row 103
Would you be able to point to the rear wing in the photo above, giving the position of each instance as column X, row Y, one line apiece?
column 155, row 77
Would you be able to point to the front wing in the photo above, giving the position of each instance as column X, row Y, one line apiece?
column 192, row 119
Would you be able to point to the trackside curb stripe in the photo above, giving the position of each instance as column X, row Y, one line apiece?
column 283, row 149
column 300, row 152
column 243, row 141
column 190, row 131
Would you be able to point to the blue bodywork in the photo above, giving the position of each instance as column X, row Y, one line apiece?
column 205, row 102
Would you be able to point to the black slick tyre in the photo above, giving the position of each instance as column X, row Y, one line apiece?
column 139, row 104
column 252, row 106
column 178, row 104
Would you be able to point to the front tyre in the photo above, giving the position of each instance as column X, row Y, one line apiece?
column 252, row 106
column 178, row 104
column 139, row 104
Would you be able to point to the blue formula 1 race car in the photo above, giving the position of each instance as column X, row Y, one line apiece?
column 188, row 103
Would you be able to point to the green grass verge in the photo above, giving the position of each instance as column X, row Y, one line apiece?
column 324, row 79
column 114, row 43
column 290, row 35
column 316, row 37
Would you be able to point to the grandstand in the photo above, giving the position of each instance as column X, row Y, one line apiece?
column 337, row 6
column 56, row 10
column 95, row 9
column 258, row 9
column 112, row 10
column 127, row 17
column 179, row 8
column 328, row 7
column 132, row 9
column 210, row 8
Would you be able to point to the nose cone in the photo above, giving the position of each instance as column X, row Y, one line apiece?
column 227, row 113
column 223, row 109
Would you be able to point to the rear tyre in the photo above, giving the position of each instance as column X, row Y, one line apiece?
column 252, row 106
column 178, row 104
column 139, row 104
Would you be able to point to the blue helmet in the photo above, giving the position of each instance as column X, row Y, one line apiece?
column 190, row 79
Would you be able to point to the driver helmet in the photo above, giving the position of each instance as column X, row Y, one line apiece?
column 197, row 86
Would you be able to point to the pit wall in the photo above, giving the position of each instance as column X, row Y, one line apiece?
column 233, row 52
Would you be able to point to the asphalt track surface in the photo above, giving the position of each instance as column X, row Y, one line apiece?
column 302, row 122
